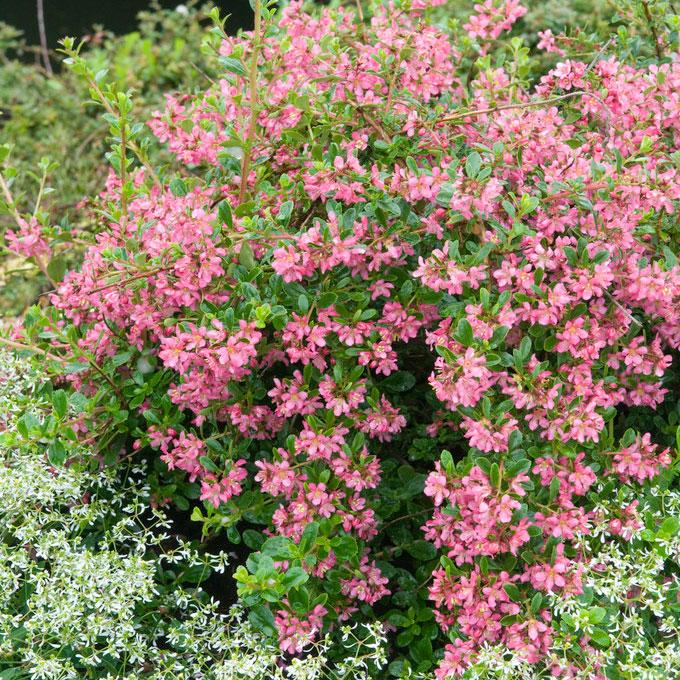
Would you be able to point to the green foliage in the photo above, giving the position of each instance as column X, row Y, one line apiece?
column 49, row 117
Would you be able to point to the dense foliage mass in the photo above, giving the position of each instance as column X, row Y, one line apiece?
column 401, row 331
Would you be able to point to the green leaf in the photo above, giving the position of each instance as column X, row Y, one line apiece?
column 398, row 668
column 464, row 333
column 233, row 66
column 303, row 303
column 245, row 256
column 253, row 539
column 495, row 475
column 60, row 403
column 326, row 300
column 527, row 204
column 524, row 349
column 445, row 194
column 262, row 620
column 509, row 620
column 399, row 620
column 669, row 527
column 569, row 620
column 514, row 439
column 121, row 358
column 285, row 211
column 447, row 461
column 344, row 547
column 670, row 257
column 499, row 336
column 299, row 600
column 309, row 536
column 472, row 164
column 294, row 577
column 422, row 550
column 224, row 213
column 600, row 637
column 421, row 650
column 596, row 614
column 181, row 502
column 178, row 187
column 56, row 453
column 513, row 592
column 571, row 255
column 208, row 464
column 400, row 381
column 277, row 547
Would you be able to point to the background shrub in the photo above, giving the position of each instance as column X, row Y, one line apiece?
column 54, row 131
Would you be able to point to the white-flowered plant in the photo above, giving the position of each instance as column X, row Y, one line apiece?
column 631, row 587
column 95, row 584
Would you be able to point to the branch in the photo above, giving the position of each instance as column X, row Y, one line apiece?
column 43, row 37
column 521, row 105
column 535, row 103
column 30, row 348
column 252, row 100
column 652, row 28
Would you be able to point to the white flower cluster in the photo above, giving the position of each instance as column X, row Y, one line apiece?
column 500, row 663
column 88, row 586
column 631, row 590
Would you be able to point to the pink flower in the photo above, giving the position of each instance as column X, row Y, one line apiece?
column 368, row 585
column 295, row 633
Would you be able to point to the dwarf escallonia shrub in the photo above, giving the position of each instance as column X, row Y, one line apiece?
column 387, row 326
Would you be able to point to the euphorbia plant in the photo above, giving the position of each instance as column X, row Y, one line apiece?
column 388, row 325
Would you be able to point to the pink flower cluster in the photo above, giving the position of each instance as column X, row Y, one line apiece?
column 480, row 603
column 185, row 453
column 295, row 633
column 483, row 520
column 493, row 17
column 639, row 461
column 207, row 359
column 350, row 473
column 28, row 239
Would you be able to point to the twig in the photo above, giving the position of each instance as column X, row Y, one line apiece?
column 40, row 193
column 598, row 55
column 539, row 102
column 10, row 201
column 252, row 100
column 203, row 73
column 143, row 275
column 519, row 105
column 131, row 143
column 30, row 348
column 381, row 133
column 360, row 14
column 43, row 37
column 652, row 28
